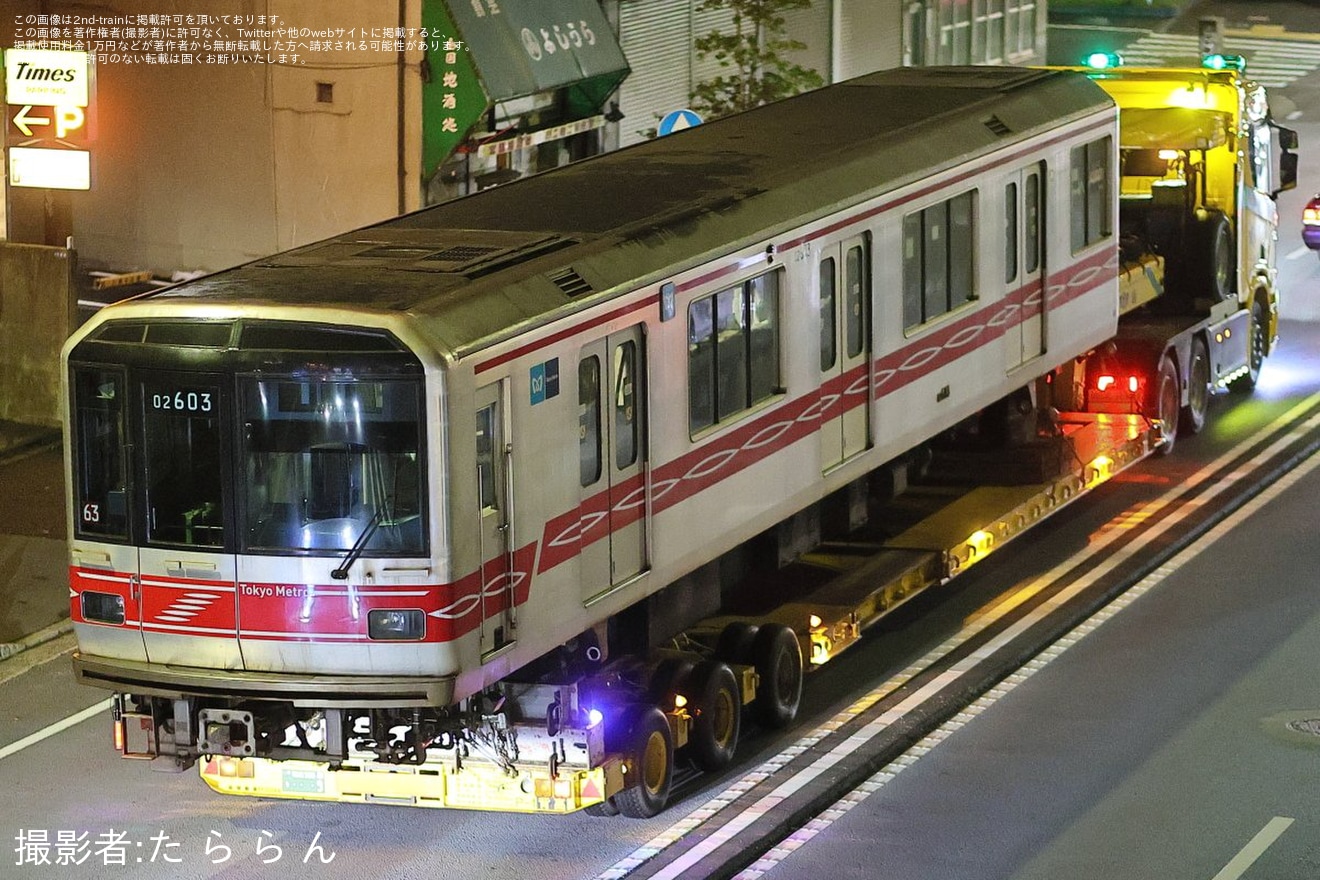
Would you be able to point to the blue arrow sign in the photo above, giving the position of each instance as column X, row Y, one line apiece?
column 677, row 120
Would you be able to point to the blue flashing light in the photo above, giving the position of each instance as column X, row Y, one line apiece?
column 1104, row 60
column 1224, row 62
column 594, row 717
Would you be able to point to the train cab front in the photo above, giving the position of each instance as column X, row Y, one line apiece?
column 254, row 560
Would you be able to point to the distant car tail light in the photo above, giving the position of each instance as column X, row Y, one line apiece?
column 102, row 607
column 390, row 624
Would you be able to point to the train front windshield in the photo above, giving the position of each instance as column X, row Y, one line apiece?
column 212, row 446
column 324, row 462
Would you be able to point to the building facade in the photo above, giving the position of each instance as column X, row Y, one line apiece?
column 219, row 137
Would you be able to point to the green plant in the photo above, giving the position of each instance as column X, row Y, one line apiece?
column 753, row 54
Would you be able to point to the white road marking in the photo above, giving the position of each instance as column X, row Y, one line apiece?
column 1299, row 253
column 977, row 623
column 827, row 817
column 1247, row 856
column 59, row 726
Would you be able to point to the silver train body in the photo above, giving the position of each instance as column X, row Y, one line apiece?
column 391, row 469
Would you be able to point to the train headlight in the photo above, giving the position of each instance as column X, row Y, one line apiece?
column 102, row 607
column 397, row 625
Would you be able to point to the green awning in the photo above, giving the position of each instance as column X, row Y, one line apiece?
column 523, row 47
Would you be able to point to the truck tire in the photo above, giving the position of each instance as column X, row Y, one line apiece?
column 649, row 745
column 668, row 680
column 735, row 642
column 778, row 661
column 1193, row 415
column 716, row 704
column 602, row 810
column 1164, row 402
column 1258, row 340
column 1209, row 259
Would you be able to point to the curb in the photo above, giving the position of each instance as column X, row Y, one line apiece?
column 40, row 637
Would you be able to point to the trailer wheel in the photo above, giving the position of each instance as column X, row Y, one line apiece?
column 1209, row 259
column 650, row 750
column 1164, row 404
column 1256, row 358
column 735, row 643
column 778, row 660
column 717, row 704
column 603, row 809
column 668, row 680
column 1198, row 388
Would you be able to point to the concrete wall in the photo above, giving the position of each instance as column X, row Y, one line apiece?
column 38, row 311
column 204, row 166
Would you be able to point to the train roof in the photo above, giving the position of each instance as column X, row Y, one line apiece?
column 480, row 268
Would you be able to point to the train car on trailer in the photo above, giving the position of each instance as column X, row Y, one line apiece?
column 432, row 511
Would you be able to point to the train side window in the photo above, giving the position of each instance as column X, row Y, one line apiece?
column 961, row 247
column 853, row 284
column 486, row 458
column 828, row 353
column 625, row 404
column 730, row 352
column 701, row 363
column 1090, row 183
column 1010, row 233
column 589, row 419
column 763, row 337
column 912, row 312
column 99, row 453
column 1031, row 215
column 733, row 350
column 937, row 259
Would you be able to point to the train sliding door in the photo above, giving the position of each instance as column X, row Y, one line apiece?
column 612, row 461
column 1024, row 259
column 845, row 350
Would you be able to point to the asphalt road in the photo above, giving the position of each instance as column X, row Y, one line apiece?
column 1159, row 746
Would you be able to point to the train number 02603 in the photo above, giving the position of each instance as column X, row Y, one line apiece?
column 182, row 401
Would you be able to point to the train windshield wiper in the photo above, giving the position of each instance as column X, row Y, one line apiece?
column 341, row 573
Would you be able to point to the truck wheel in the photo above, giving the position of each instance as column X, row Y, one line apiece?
column 778, row 660
column 1164, row 403
column 1209, row 260
column 668, row 680
column 1198, row 388
column 717, row 706
column 1256, row 357
column 735, row 644
column 650, row 750
column 603, row 809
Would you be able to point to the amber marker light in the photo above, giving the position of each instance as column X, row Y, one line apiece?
column 1100, row 469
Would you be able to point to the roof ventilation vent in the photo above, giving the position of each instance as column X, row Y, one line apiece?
column 461, row 253
column 570, row 282
column 995, row 124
